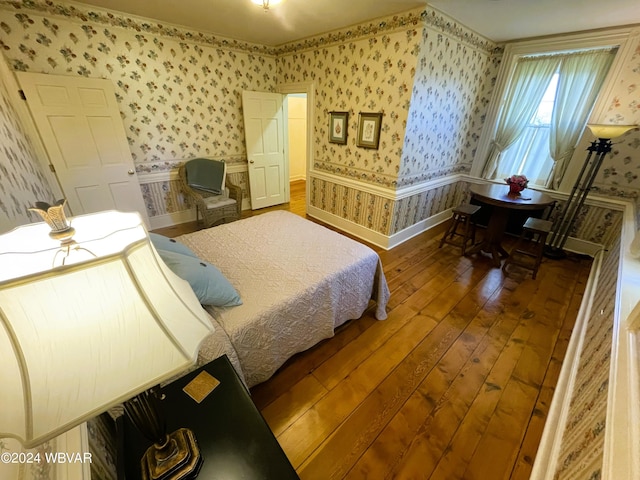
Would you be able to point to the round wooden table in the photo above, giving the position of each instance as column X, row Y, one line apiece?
column 502, row 202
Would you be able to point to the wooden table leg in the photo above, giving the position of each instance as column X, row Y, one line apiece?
column 491, row 243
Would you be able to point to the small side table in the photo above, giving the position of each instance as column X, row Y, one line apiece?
column 234, row 439
column 503, row 203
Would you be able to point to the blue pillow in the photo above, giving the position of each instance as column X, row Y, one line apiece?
column 207, row 282
column 170, row 245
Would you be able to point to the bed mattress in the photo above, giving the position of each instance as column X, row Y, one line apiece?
column 298, row 281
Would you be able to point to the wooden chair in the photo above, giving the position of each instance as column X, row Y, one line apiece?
column 529, row 248
column 215, row 197
column 462, row 216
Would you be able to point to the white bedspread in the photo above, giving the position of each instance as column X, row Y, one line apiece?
column 297, row 280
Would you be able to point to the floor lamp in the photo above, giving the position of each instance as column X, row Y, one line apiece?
column 597, row 151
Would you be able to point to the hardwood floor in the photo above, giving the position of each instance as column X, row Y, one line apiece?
column 455, row 384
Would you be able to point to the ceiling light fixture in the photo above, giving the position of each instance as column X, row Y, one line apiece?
column 266, row 3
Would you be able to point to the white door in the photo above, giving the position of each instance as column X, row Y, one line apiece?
column 264, row 136
column 80, row 125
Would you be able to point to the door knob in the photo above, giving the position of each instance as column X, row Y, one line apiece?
column 251, row 161
column 131, row 172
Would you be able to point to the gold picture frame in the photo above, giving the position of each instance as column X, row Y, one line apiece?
column 369, row 130
column 338, row 126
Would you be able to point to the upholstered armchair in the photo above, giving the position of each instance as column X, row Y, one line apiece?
column 216, row 198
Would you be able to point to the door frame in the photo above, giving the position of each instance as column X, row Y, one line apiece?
column 308, row 88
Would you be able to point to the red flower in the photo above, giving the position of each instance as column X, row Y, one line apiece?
column 519, row 180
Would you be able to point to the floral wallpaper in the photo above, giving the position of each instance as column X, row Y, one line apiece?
column 453, row 84
column 101, row 431
column 179, row 92
column 620, row 170
column 595, row 224
column 451, row 91
column 21, row 180
column 366, row 70
column 431, row 79
column 28, row 471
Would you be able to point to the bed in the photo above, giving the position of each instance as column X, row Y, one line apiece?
column 297, row 280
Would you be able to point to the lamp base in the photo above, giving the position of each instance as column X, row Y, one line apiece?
column 554, row 253
column 177, row 459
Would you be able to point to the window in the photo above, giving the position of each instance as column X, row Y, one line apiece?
column 544, row 109
column 529, row 155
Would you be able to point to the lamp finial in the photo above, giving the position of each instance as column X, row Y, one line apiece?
column 54, row 216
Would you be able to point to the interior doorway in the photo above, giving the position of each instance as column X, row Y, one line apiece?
column 297, row 134
column 277, row 134
column 297, row 149
column 299, row 119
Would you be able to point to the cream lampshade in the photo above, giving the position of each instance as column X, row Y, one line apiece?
column 609, row 131
column 79, row 338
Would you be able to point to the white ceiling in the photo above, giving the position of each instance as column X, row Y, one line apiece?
column 242, row 20
column 498, row 20
column 503, row 20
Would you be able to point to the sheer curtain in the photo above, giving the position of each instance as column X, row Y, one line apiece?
column 581, row 76
column 532, row 144
column 528, row 84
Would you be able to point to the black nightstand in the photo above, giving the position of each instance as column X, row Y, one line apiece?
column 234, row 439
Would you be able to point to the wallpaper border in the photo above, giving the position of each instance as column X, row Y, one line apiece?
column 131, row 22
column 436, row 19
column 427, row 16
column 430, row 16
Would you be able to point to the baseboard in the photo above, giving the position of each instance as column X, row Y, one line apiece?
column 350, row 227
column 170, row 219
column 418, row 228
column 583, row 247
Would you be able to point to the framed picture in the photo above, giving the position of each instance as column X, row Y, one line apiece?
column 338, row 127
column 369, row 130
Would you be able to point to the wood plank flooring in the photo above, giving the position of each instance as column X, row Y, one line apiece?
column 455, row 384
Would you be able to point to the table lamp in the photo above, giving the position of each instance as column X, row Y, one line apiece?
column 597, row 151
column 80, row 337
